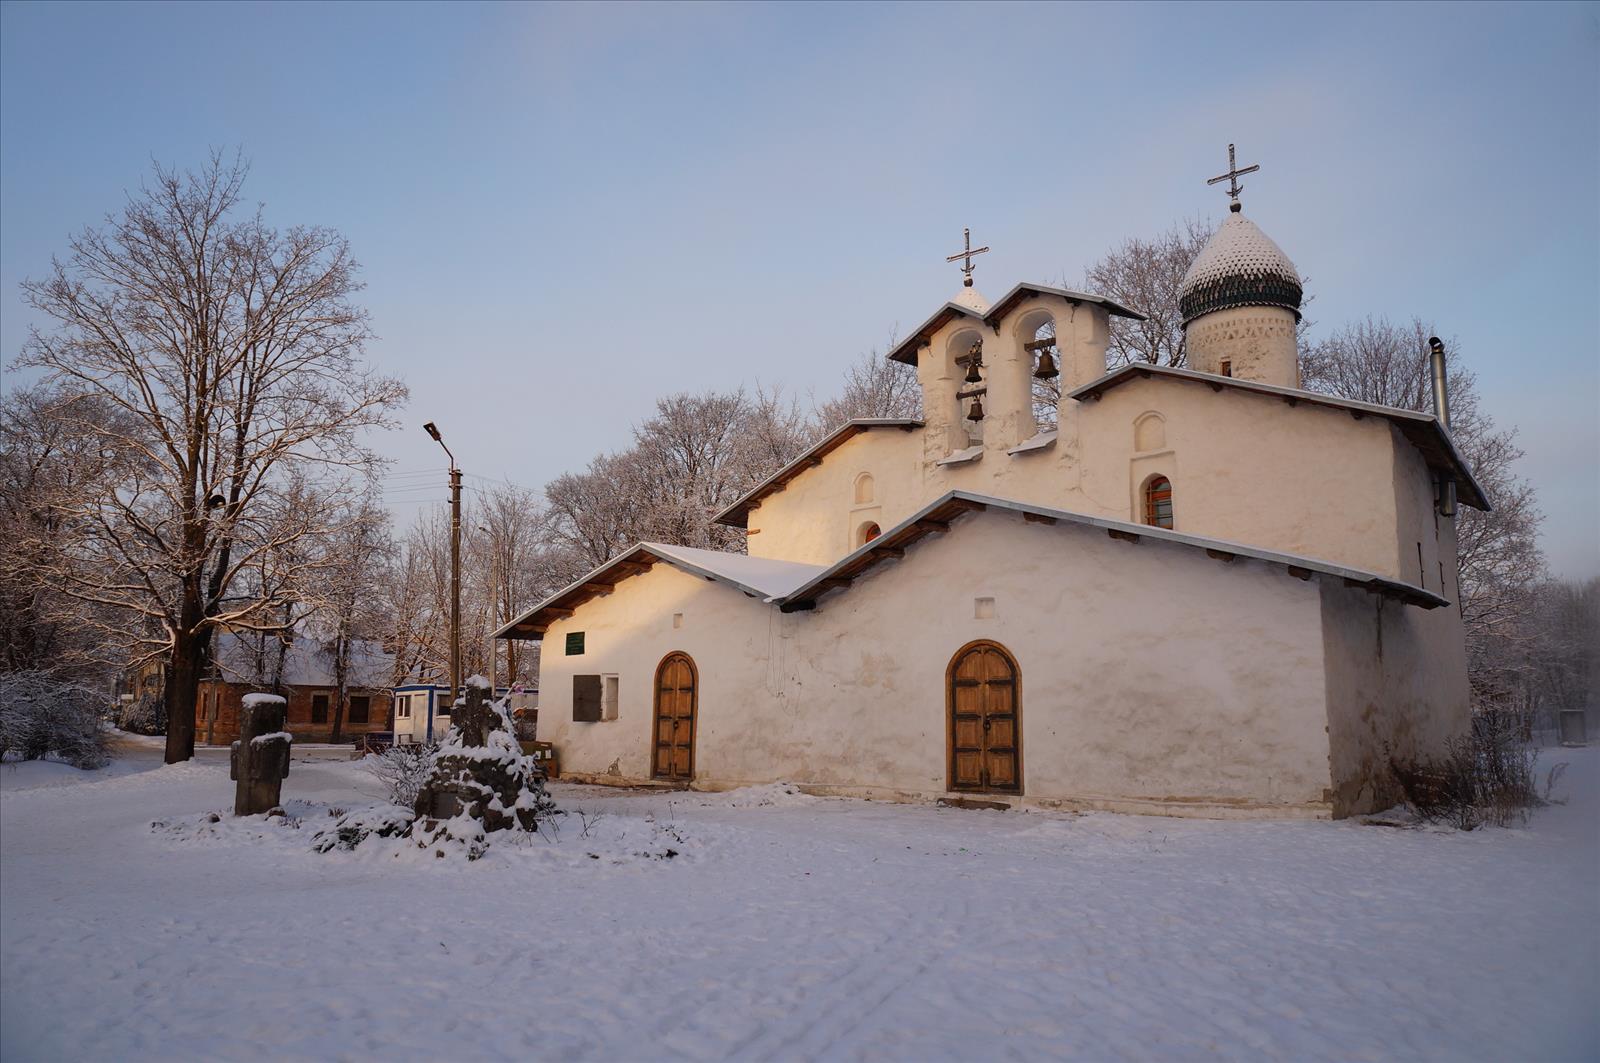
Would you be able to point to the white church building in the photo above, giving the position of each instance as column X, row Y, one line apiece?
column 1200, row 591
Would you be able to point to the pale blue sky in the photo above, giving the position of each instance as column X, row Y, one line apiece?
column 566, row 211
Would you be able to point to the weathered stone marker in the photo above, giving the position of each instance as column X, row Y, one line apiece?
column 260, row 759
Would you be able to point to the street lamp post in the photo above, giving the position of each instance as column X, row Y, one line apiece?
column 455, row 566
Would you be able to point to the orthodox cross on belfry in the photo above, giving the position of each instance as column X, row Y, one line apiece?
column 1232, row 177
column 966, row 270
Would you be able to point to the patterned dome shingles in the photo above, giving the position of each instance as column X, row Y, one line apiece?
column 1239, row 266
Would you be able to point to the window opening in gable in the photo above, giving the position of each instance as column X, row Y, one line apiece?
column 1158, row 502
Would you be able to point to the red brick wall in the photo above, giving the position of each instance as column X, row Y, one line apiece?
column 226, row 698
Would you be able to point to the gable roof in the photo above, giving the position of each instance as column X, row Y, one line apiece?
column 1422, row 430
column 738, row 514
column 938, row 515
column 757, row 577
column 906, row 350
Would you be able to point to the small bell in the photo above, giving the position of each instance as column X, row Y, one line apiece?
column 972, row 373
column 974, row 362
column 1047, row 367
column 976, row 412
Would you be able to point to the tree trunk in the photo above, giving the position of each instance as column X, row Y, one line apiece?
column 183, row 688
column 341, row 682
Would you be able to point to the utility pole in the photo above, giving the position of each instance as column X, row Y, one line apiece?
column 455, row 566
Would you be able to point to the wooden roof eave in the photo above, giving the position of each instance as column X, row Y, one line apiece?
column 603, row 580
column 888, row 547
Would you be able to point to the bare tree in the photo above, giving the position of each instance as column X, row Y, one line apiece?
column 874, row 386
column 409, row 600
column 345, row 592
column 234, row 349
column 1145, row 274
column 47, row 471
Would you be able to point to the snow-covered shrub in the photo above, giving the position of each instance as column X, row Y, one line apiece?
column 353, row 828
column 1486, row 776
column 403, row 769
column 145, row 715
column 42, row 716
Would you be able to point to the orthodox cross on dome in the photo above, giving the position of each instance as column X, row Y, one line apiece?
column 966, row 269
column 1232, row 177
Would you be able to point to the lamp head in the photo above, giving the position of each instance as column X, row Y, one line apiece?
column 433, row 430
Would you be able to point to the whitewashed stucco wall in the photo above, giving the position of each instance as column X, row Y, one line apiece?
column 1152, row 676
column 1247, row 468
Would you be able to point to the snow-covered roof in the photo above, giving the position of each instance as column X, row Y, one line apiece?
column 937, row 516
column 753, row 576
column 760, row 575
column 1423, row 430
column 1239, row 266
column 906, row 350
column 738, row 514
column 972, row 299
column 307, row 663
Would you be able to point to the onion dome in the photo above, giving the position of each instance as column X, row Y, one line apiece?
column 1239, row 266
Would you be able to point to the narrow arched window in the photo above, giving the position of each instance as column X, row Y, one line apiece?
column 867, row 532
column 1158, row 502
column 863, row 488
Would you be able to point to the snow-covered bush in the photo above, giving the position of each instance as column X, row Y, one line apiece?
column 145, row 715
column 43, row 716
column 1486, row 776
column 353, row 828
column 403, row 769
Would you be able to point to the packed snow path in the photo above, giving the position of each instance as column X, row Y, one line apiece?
column 783, row 927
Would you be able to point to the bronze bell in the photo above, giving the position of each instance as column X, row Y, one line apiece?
column 1047, row 367
column 976, row 412
column 974, row 361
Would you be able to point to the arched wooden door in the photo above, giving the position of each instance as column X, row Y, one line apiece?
column 677, row 695
column 985, row 707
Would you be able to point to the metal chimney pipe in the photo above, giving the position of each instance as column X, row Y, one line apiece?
column 1441, row 387
column 1441, row 410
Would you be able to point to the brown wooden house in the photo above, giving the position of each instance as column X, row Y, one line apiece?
column 304, row 679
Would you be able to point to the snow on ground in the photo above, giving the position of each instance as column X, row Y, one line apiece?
column 781, row 927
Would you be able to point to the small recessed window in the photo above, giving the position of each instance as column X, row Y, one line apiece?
column 983, row 608
column 574, row 643
column 677, row 620
column 1158, row 502
column 1227, row 367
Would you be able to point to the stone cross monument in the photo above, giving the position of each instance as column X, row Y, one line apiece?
column 260, row 759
